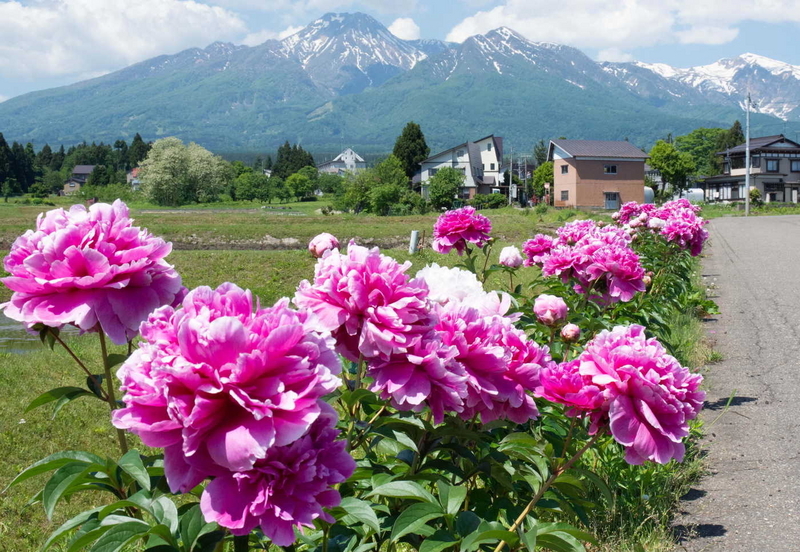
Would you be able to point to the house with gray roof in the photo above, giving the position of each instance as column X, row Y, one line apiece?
column 480, row 162
column 80, row 176
column 774, row 171
column 594, row 174
column 347, row 161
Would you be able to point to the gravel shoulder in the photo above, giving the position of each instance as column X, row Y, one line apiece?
column 750, row 501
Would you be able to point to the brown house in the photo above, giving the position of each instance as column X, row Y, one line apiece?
column 596, row 174
column 80, row 175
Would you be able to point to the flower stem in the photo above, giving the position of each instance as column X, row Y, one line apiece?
column 97, row 384
column 110, row 397
column 547, row 484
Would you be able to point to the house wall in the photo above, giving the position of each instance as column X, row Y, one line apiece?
column 450, row 158
column 784, row 167
column 71, row 188
column 593, row 182
column 489, row 157
column 565, row 182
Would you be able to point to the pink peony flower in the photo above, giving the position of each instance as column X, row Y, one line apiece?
column 549, row 309
column 457, row 228
column 501, row 364
column 570, row 333
column 510, row 257
column 648, row 398
column 218, row 384
column 322, row 243
column 287, row 488
column 426, row 375
column 677, row 221
column 368, row 301
column 91, row 268
column 537, row 249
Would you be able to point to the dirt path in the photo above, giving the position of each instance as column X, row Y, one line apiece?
column 751, row 500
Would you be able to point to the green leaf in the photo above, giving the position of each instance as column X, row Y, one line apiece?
column 545, row 528
column 131, row 463
column 78, row 520
column 473, row 541
column 440, row 540
column 90, row 532
column 95, row 384
column 528, row 538
column 560, row 542
column 413, row 518
column 47, row 335
column 116, row 359
column 59, row 483
column 403, row 489
column 165, row 511
column 361, row 511
column 118, row 536
column 193, row 526
column 451, row 497
column 467, row 523
column 55, row 394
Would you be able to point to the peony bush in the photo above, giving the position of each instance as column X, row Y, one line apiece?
column 374, row 408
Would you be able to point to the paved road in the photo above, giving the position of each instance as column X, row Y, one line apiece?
column 751, row 501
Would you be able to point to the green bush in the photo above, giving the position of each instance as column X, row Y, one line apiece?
column 488, row 201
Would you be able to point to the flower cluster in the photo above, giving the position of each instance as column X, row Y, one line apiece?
column 368, row 302
column 598, row 259
column 458, row 228
column 91, row 268
column 232, row 391
column 677, row 221
column 629, row 382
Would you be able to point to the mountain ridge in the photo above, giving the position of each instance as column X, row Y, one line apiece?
column 346, row 78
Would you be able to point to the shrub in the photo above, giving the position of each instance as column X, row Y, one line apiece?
column 488, row 201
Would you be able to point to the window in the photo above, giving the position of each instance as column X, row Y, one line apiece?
column 734, row 192
column 564, row 195
column 564, row 169
column 483, row 167
column 460, row 153
column 609, row 169
column 489, row 146
column 795, row 166
column 772, row 165
column 491, row 166
column 755, row 162
column 432, row 171
column 726, row 168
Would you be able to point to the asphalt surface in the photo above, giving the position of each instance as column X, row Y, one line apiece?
column 750, row 502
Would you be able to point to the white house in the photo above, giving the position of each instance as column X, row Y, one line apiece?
column 480, row 162
column 347, row 161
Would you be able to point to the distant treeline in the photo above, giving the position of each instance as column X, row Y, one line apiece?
column 23, row 170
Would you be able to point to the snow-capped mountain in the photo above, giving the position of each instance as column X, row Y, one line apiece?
column 347, row 53
column 773, row 85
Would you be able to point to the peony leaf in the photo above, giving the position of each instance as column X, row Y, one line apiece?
column 558, row 541
column 55, row 461
column 414, row 518
column 132, row 464
column 56, row 394
column 451, row 497
column 59, row 483
column 68, row 525
column 403, row 489
column 119, row 536
column 361, row 511
column 115, row 359
column 440, row 540
column 473, row 541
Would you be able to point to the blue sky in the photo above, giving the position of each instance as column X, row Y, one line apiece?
column 46, row 43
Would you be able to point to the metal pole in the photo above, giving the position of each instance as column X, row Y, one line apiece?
column 414, row 243
column 747, row 163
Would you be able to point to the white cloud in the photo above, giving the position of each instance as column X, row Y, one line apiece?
column 259, row 37
column 79, row 37
column 4, row 98
column 615, row 27
column 613, row 54
column 405, row 28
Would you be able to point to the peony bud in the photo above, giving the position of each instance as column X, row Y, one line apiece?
column 322, row 243
column 549, row 309
column 570, row 333
column 510, row 257
column 647, row 280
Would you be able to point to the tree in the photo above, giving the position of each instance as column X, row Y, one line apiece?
column 5, row 160
column 330, row 183
column 137, row 151
column 411, row 149
column 121, row 158
column 99, row 177
column 300, row 185
column 252, row 186
column 702, row 145
column 58, row 159
column 291, row 158
column 675, row 166
column 540, row 153
column 542, row 178
column 443, row 187
column 175, row 174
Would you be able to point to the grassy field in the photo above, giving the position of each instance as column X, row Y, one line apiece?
column 737, row 210
column 225, row 251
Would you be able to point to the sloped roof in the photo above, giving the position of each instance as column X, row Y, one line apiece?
column 598, row 148
column 338, row 158
column 763, row 142
column 83, row 169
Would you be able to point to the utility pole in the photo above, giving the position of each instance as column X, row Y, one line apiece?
column 747, row 162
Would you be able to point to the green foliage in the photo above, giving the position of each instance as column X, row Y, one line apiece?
column 675, row 166
column 331, row 183
column 375, row 190
column 291, row 158
column 488, row 201
column 702, row 144
column 251, row 186
column 542, row 178
column 300, row 185
column 411, row 149
column 443, row 187
column 540, row 153
column 755, row 197
column 174, row 174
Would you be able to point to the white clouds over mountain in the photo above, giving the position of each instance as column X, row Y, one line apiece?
column 259, row 37
column 80, row 37
column 618, row 26
column 405, row 28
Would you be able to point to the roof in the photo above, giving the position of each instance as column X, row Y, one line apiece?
column 498, row 146
column 598, row 148
column 83, row 169
column 338, row 158
column 763, row 142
